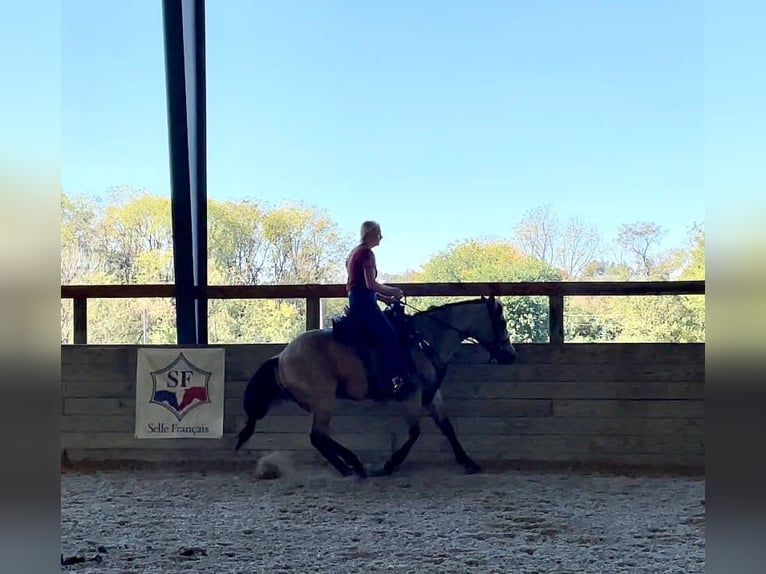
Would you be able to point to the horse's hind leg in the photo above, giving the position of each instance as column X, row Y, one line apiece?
column 413, row 419
column 324, row 445
column 344, row 461
column 438, row 414
column 348, row 457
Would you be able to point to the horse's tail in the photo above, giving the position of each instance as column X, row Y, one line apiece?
column 262, row 389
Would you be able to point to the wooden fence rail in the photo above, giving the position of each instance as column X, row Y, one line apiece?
column 312, row 293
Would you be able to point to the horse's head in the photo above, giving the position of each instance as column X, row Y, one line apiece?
column 495, row 337
column 482, row 320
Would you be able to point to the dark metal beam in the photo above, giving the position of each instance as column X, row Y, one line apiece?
column 201, row 147
column 184, row 23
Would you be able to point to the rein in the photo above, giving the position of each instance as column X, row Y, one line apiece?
column 490, row 347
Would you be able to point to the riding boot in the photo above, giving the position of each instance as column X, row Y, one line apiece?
column 399, row 384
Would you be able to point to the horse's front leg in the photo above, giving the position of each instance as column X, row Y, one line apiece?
column 414, row 406
column 438, row 414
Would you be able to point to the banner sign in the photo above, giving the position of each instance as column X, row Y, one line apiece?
column 179, row 393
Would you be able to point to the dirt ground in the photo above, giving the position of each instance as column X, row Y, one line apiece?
column 423, row 519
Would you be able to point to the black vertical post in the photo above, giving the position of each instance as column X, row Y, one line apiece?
column 184, row 55
column 201, row 145
column 80, row 320
column 556, row 318
column 313, row 313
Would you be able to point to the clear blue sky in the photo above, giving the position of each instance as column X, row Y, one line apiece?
column 442, row 120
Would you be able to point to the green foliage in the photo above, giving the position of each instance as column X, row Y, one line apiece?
column 236, row 248
column 667, row 318
column 662, row 318
column 694, row 268
column 589, row 320
column 126, row 238
column 255, row 321
column 304, row 246
column 78, row 236
column 643, row 318
column 135, row 239
column 472, row 260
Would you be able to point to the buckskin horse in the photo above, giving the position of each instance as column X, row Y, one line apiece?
column 320, row 366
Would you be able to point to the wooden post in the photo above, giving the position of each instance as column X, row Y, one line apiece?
column 312, row 313
column 80, row 319
column 556, row 319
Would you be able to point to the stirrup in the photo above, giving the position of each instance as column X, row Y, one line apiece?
column 398, row 383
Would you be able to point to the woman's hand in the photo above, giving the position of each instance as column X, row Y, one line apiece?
column 392, row 294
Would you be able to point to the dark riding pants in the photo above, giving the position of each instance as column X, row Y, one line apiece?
column 363, row 306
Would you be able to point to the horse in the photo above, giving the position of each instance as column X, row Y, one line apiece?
column 321, row 366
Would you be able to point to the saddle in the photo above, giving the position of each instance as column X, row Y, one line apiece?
column 349, row 330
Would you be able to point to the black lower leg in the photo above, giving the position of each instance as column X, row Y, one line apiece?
column 338, row 455
column 398, row 457
column 326, row 446
column 461, row 457
column 349, row 457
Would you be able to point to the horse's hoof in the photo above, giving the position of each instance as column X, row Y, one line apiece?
column 379, row 473
column 472, row 468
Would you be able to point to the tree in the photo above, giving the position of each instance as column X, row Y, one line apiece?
column 305, row 245
column 78, row 232
column 668, row 318
column 253, row 244
column 135, row 238
column 472, row 260
column 645, row 319
column 694, row 268
column 126, row 238
column 237, row 248
column 639, row 241
column 570, row 248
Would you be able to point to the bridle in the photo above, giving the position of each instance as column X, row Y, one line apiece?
column 496, row 320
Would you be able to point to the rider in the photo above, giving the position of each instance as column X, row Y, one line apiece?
column 364, row 290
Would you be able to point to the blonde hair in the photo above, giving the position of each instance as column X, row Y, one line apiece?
column 367, row 228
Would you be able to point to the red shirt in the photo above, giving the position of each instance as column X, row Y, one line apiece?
column 355, row 263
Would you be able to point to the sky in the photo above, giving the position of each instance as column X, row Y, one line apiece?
column 441, row 120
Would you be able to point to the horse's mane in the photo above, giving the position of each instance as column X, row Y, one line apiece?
column 450, row 305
